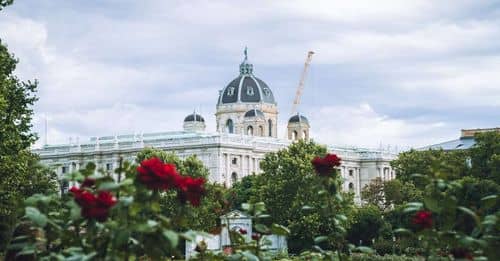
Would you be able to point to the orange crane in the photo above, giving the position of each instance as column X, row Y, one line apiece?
column 300, row 88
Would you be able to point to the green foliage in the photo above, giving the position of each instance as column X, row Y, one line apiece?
column 442, row 164
column 366, row 226
column 485, row 156
column 22, row 176
column 297, row 198
column 213, row 205
column 389, row 193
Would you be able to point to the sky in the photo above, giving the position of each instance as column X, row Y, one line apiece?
column 396, row 73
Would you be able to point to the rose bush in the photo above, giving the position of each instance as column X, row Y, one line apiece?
column 110, row 217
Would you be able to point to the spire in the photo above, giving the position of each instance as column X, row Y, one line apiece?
column 245, row 66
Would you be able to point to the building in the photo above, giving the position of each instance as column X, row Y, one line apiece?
column 465, row 141
column 247, row 116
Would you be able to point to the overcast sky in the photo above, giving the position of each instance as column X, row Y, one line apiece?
column 406, row 73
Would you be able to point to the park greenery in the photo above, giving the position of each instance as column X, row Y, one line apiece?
column 443, row 205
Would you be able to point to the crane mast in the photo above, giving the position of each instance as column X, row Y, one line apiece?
column 300, row 88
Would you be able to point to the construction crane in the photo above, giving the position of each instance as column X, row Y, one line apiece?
column 300, row 88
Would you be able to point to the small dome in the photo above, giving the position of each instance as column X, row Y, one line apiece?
column 194, row 117
column 246, row 88
column 254, row 113
column 298, row 118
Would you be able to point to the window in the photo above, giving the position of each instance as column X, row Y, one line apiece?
column 270, row 127
column 234, row 177
column 109, row 166
column 230, row 91
column 250, row 91
column 64, row 169
column 304, row 135
column 250, row 130
column 234, row 161
column 229, row 126
column 351, row 172
column 261, row 131
column 294, row 135
column 351, row 186
column 266, row 92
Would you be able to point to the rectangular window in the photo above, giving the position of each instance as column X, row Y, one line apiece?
column 64, row 170
column 234, row 161
column 109, row 166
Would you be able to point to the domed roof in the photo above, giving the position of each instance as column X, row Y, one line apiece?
column 246, row 88
column 194, row 117
column 298, row 118
column 254, row 113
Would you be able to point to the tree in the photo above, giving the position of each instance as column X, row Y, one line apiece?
column 485, row 156
column 366, row 225
column 389, row 193
column 289, row 188
column 20, row 173
column 449, row 165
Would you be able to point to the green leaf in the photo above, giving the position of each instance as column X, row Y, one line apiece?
column 320, row 239
column 261, row 228
column 307, row 208
column 34, row 215
column 249, row 256
column 172, row 237
column 122, row 237
column 470, row 213
column 279, row 230
column 245, row 206
column 108, row 186
column 365, row 250
column 402, row 231
column 489, row 201
column 432, row 204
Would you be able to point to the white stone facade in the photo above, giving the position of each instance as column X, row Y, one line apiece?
column 229, row 157
column 246, row 118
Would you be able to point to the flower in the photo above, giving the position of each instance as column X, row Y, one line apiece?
column 157, row 175
column 422, row 219
column 243, row 231
column 92, row 206
column 325, row 166
column 191, row 189
column 255, row 236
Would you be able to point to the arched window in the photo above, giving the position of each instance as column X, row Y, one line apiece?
column 250, row 130
column 261, row 131
column 270, row 127
column 234, row 177
column 229, row 126
column 304, row 135
column 351, row 186
column 294, row 135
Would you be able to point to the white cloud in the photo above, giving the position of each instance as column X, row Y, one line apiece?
column 362, row 126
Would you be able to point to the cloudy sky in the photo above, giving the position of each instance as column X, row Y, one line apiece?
column 406, row 73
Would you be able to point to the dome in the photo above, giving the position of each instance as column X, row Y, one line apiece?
column 254, row 113
column 194, row 117
column 298, row 118
column 246, row 88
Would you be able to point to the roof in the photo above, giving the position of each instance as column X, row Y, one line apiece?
column 194, row 117
column 298, row 118
column 246, row 88
column 458, row 144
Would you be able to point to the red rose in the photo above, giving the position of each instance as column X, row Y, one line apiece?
column 422, row 219
column 325, row 166
column 88, row 182
column 191, row 189
column 255, row 236
column 106, row 199
column 92, row 206
column 156, row 175
column 243, row 231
